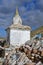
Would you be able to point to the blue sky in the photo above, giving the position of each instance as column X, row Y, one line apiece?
column 31, row 12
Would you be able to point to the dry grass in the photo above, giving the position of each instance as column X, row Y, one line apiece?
column 37, row 31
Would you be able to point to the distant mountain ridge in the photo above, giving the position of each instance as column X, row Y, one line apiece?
column 2, row 38
column 37, row 31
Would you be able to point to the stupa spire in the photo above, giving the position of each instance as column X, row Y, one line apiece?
column 17, row 19
column 17, row 13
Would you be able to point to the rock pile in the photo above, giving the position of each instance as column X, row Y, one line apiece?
column 31, row 53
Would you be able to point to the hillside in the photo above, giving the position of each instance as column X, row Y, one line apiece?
column 37, row 31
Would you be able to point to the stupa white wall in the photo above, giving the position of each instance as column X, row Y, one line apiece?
column 19, row 37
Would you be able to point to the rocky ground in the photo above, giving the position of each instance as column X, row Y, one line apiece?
column 22, row 55
column 26, row 54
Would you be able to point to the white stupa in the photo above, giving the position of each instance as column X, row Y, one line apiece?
column 18, row 34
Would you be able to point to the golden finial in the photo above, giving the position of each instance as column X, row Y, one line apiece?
column 17, row 11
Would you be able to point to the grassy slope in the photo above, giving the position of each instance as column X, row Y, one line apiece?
column 37, row 31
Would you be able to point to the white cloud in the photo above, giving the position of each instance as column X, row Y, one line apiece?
column 32, row 13
column 33, row 17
